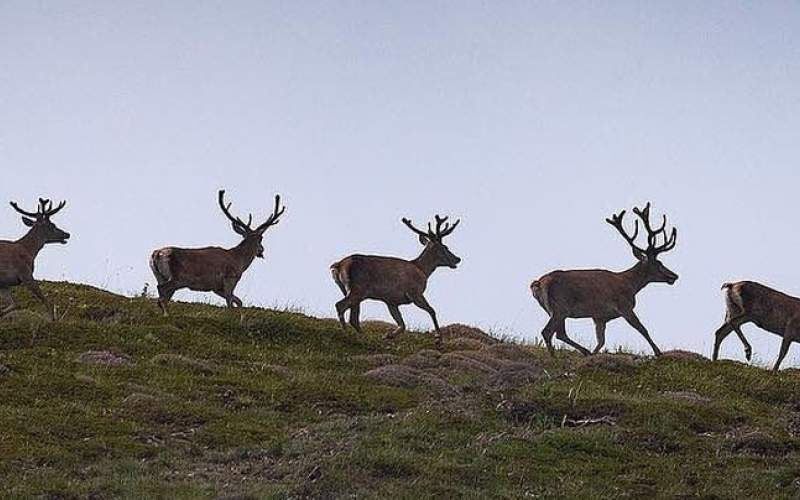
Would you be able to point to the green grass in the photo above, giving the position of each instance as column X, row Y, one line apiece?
column 266, row 404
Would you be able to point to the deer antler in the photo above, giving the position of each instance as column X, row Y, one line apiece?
column 238, row 224
column 274, row 217
column 408, row 223
column 653, row 249
column 443, row 228
column 45, row 209
column 616, row 221
column 23, row 212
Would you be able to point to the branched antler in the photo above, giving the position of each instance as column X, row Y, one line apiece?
column 238, row 224
column 443, row 228
column 246, row 228
column 653, row 248
column 274, row 218
column 44, row 211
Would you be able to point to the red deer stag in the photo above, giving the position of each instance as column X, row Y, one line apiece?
column 394, row 281
column 605, row 295
column 774, row 311
column 212, row 269
column 17, row 257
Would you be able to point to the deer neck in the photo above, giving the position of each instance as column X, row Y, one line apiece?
column 244, row 253
column 636, row 276
column 33, row 242
column 426, row 261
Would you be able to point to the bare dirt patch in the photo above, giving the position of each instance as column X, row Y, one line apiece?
column 465, row 344
column 515, row 375
column 459, row 362
column 424, row 359
column 104, row 358
column 690, row 396
column 409, row 378
column 683, row 355
column 757, row 442
column 493, row 366
column 457, row 330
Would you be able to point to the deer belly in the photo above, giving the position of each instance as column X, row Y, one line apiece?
column 772, row 324
column 390, row 298
column 204, row 283
column 9, row 278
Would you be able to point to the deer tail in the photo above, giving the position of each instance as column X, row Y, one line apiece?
column 159, row 263
column 539, row 293
column 340, row 277
column 733, row 299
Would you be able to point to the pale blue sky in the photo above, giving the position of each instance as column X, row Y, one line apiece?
column 530, row 121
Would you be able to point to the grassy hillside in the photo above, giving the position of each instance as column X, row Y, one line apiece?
column 115, row 401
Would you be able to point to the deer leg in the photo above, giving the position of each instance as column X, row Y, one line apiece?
column 748, row 350
column 790, row 334
column 423, row 304
column 600, row 333
column 785, row 343
column 398, row 318
column 228, row 286
column 165, row 293
column 633, row 320
column 355, row 311
column 36, row 291
column 228, row 297
column 722, row 333
column 342, row 306
column 561, row 334
column 547, row 334
column 7, row 298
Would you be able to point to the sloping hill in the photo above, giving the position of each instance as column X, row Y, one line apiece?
column 115, row 401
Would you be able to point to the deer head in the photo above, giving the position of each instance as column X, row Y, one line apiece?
column 655, row 271
column 40, row 222
column 245, row 230
column 432, row 240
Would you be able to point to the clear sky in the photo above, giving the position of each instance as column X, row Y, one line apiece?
column 532, row 121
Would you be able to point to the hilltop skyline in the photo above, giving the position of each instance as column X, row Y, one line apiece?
column 530, row 123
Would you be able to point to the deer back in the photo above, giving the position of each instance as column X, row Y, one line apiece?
column 768, row 308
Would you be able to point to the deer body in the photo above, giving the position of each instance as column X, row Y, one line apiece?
column 211, row 269
column 588, row 293
column 392, row 280
column 201, row 269
column 18, row 258
column 17, row 261
column 604, row 295
column 769, row 309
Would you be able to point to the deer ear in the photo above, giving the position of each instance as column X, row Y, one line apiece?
column 423, row 240
column 639, row 254
column 28, row 222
